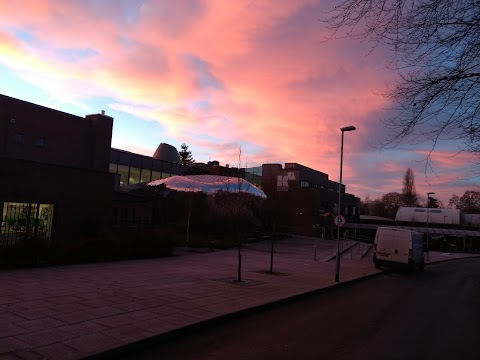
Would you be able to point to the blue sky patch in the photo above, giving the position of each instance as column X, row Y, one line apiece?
column 204, row 76
column 75, row 55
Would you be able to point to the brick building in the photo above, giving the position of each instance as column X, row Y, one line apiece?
column 55, row 183
column 301, row 198
column 60, row 181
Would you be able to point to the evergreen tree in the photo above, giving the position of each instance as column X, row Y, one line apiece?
column 433, row 203
column 186, row 155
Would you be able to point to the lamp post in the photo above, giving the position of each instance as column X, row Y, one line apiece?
column 337, row 271
column 428, row 206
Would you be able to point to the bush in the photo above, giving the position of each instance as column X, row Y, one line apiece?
column 26, row 251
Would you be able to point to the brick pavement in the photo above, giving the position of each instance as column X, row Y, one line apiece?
column 77, row 311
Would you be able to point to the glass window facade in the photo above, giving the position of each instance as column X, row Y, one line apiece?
column 123, row 171
column 156, row 175
column 145, row 175
column 134, row 177
column 136, row 168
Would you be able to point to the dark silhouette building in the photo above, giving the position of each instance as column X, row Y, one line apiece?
column 54, row 178
column 303, row 199
column 61, row 182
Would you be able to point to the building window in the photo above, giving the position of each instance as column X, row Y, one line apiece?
column 145, row 175
column 40, row 142
column 26, row 222
column 112, row 168
column 123, row 171
column 18, row 138
column 156, row 175
column 304, row 184
column 134, row 177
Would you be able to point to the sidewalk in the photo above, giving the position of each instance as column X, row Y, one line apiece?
column 76, row 311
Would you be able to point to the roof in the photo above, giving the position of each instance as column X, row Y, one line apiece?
column 209, row 184
column 167, row 152
column 376, row 218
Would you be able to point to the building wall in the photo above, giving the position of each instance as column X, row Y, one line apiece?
column 50, row 157
column 470, row 219
column 435, row 216
column 82, row 198
column 213, row 168
column 33, row 132
column 302, row 197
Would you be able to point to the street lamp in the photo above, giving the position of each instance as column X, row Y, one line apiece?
column 428, row 206
column 337, row 272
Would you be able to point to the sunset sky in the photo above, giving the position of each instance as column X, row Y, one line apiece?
column 219, row 75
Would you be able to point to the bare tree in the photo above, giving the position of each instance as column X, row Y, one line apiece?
column 436, row 51
column 468, row 203
column 237, row 202
column 391, row 202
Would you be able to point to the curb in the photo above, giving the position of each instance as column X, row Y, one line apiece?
column 131, row 348
column 452, row 259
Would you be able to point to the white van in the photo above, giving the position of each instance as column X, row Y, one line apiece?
column 398, row 247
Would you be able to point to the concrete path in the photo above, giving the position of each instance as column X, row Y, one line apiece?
column 77, row 311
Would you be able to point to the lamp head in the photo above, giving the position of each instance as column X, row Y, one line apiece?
column 348, row 128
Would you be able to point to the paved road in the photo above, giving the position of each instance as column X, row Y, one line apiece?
column 434, row 315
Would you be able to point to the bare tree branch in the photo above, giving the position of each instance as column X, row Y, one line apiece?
column 435, row 47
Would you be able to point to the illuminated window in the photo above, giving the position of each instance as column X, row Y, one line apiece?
column 123, row 171
column 145, row 175
column 134, row 175
column 24, row 221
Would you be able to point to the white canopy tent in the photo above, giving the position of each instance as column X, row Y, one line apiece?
column 209, row 184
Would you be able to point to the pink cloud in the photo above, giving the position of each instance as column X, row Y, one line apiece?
column 221, row 74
